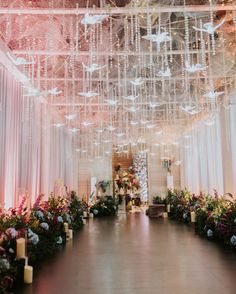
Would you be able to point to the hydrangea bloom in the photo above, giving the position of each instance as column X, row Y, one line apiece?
column 95, row 211
column 4, row 264
column 59, row 240
column 60, row 219
column 34, row 238
column 233, row 240
column 44, row 226
column 185, row 215
column 68, row 219
column 209, row 233
column 12, row 232
column 39, row 214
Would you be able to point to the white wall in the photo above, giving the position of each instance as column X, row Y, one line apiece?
column 157, row 177
column 99, row 168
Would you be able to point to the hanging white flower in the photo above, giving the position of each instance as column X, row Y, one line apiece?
column 209, row 27
column 137, row 82
column 70, row 116
column 194, row 67
column 111, row 102
column 165, row 73
column 158, row 38
column 93, row 19
column 212, row 95
column 93, row 67
column 88, row 94
column 131, row 97
column 155, row 104
column 54, row 91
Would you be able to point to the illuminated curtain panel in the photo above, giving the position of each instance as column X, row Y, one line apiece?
column 232, row 144
column 140, row 167
column 33, row 152
column 10, row 124
column 202, row 168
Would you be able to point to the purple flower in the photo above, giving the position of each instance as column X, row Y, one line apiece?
column 11, row 232
column 7, row 282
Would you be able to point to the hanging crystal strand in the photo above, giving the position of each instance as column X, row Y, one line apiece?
column 94, row 43
column 182, row 70
column 38, row 72
column 126, row 34
column 101, row 33
column 45, row 73
column 186, row 38
column 111, row 42
column 136, row 32
column 212, row 23
column 71, row 42
column 202, row 48
column 131, row 30
column 170, row 43
column 77, row 35
column 158, row 30
column 20, row 27
column 226, row 99
column 8, row 28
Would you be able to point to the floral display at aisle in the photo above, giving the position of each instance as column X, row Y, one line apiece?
column 105, row 206
column 215, row 215
column 43, row 228
column 126, row 182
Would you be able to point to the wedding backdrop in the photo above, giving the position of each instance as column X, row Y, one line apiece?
column 82, row 81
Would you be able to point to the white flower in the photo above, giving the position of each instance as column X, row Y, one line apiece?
column 233, row 240
column 209, row 233
column 59, row 240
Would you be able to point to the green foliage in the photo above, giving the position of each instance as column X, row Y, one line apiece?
column 158, row 200
column 105, row 206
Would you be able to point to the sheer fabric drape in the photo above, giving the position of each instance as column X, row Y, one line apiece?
column 201, row 168
column 33, row 152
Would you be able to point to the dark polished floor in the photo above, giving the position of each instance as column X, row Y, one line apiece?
column 137, row 255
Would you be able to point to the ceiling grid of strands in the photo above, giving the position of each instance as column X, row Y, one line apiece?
column 125, row 75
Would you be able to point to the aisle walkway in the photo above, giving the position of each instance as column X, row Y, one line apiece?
column 138, row 256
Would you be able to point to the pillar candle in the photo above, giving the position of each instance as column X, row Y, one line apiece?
column 168, row 207
column 193, row 216
column 91, row 215
column 70, row 234
column 84, row 221
column 85, row 214
column 28, row 274
column 20, row 248
column 165, row 214
column 66, row 227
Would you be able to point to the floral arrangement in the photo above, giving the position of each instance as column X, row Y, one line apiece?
column 128, row 181
column 105, row 206
column 215, row 216
column 43, row 228
column 103, row 185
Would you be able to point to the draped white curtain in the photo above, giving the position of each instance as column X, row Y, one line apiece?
column 33, row 152
column 201, row 157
